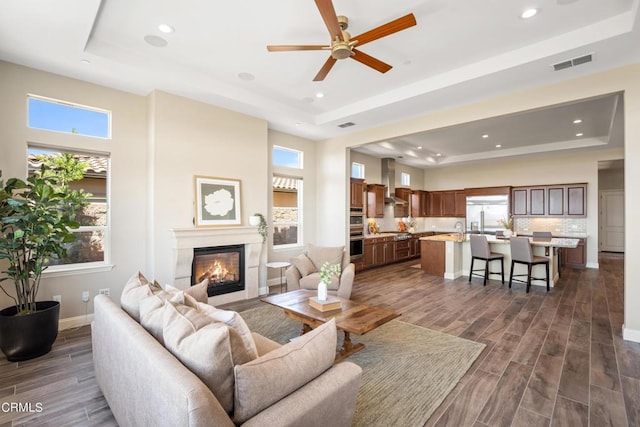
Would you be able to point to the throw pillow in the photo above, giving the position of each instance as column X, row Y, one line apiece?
column 303, row 264
column 232, row 319
column 262, row 382
column 135, row 290
column 152, row 311
column 321, row 254
column 204, row 347
column 199, row 291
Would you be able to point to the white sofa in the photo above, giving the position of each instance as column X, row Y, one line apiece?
column 145, row 385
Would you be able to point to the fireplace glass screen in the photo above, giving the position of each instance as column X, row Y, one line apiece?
column 222, row 265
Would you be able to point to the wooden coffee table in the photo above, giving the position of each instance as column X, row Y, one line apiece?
column 352, row 318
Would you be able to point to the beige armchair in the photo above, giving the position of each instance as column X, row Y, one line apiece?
column 304, row 272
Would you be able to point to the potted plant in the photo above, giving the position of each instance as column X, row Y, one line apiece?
column 36, row 218
column 258, row 219
column 327, row 271
column 508, row 225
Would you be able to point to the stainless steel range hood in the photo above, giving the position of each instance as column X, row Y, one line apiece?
column 388, row 173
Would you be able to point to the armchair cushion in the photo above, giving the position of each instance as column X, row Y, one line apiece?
column 264, row 381
column 321, row 254
column 303, row 264
column 312, row 280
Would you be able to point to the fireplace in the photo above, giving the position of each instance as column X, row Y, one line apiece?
column 222, row 265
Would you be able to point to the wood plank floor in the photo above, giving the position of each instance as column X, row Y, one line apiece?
column 555, row 359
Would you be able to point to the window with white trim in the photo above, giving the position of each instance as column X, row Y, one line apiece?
column 287, row 211
column 405, row 179
column 357, row 170
column 91, row 248
column 60, row 116
column 287, row 157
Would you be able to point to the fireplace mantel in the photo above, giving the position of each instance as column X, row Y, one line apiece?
column 186, row 239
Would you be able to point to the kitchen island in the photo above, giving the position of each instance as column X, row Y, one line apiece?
column 455, row 255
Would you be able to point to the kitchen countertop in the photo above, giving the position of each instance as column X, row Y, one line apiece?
column 557, row 242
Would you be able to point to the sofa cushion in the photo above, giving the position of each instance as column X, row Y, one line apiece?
column 303, row 264
column 311, row 282
column 321, row 254
column 135, row 290
column 205, row 347
column 199, row 291
column 262, row 382
column 232, row 319
column 152, row 311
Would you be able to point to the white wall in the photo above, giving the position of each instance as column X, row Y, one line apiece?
column 621, row 79
column 191, row 138
column 127, row 179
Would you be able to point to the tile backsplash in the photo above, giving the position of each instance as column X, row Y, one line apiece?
column 555, row 225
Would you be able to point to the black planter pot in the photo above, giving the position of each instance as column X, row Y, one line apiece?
column 30, row 335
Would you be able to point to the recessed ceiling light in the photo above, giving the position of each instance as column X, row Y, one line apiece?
column 498, row 146
column 419, row 147
column 485, row 136
column 298, row 123
column 246, row 76
column 579, row 134
column 319, row 95
column 438, row 154
column 86, row 61
column 576, row 121
column 155, row 41
column 529, row 13
column 165, row 28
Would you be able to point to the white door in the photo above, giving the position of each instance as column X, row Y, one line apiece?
column 612, row 220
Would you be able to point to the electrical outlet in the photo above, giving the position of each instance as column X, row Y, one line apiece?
column 57, row 298
column 105, row 291
column 85, row 296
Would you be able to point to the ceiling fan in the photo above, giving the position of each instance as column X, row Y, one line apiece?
column 342, row 45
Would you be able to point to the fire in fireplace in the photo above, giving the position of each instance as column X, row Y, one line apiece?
column 222, row 265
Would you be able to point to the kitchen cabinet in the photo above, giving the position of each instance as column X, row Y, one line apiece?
column 419, row 203
column 357, row 193
column 401, row 211
column 432, row 260
column 402, row 249
column 378, row 251
column 447, row 203
column 562, row 200
column 461, row 204
column 375, row 201
column 574, row 257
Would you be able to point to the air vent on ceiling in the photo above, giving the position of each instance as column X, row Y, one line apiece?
column 572, row 62
column 346, row 125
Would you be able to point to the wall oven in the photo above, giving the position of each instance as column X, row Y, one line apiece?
column 356, row 235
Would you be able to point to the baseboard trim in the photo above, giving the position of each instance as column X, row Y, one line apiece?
column 593, row 265
column 75, row 322
column 630, row 334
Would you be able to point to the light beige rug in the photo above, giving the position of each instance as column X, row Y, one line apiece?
column 407, row 370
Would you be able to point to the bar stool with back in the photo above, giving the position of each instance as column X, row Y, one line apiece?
column 521, row 253
column 480, row 250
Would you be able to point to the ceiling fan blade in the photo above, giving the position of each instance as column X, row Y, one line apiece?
column 325, row 69
column 386, row 29
column 370, row 61
column 328, row 13
column 284, row 48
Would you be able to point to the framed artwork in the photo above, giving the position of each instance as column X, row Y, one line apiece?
column 217, row 201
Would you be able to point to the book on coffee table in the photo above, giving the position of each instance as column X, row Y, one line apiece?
column 331, row 303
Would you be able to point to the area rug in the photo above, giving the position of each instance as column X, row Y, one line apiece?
column 407, row 370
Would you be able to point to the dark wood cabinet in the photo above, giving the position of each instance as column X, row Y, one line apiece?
column 574, row 257
column 562, row 200
column 357, row 193
column 448, row 203
column 435, row 203
column 432, row 259
column 401, row 211
column 419, row 203
column 461, row 204
column 375, row 201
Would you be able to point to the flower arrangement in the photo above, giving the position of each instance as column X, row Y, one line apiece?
column 507, row 223
column 327, row 271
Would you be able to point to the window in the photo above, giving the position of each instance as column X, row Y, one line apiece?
column 405, row 179
column 91, row 247
column 357, row 170
column 287, row 211
column 287, row 157
column 59, row 116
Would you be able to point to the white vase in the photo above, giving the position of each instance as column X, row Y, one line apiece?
column 254, row 220
column 507, row 233
column 322, row 291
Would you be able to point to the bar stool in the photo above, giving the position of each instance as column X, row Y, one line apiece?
column 548, row 235
column 480, row 250
column 521, row 253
